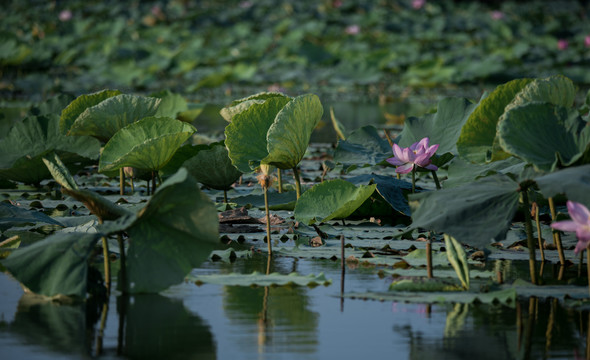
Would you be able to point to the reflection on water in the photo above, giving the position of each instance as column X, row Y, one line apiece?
column 212, row 321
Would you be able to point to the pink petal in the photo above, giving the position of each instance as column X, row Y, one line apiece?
column 423, row 143
column 567, row 225
column 398, row 152
column 404, row 169
column 431, row 167
column 408, row 155
column 422, row 160
column 580, row 246
column 578, row 212
column 431, row 150
column 394, row 161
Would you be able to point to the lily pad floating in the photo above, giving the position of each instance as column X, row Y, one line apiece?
column 11, row 215
column 333, row 199
column 276, row 201
column 391, row 189
column 29, row 140
column 505, row 296
column 363, row 147
column 146, row 144
column 107, row 117
column 259, row 279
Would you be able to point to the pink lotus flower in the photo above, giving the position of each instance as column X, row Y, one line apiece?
column 580, row 223
column 353, row 29
column 418, row 4
column 587, row 41
column 497, row 15
column 562, row 44
column 418, row 153
column 65, row 15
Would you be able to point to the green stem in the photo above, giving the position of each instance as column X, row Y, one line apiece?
column 153, row 182
column 121, row 182
column 414, row 179
column 267, row 221
column 225, row 196
column 529, row 235
column 123, row 260
column 429, row 257
column 436, row 182
column 107, row 265
column 539, row 237
column 132, row 186
column 280, row 180
column 297, row 182
column 556, row 236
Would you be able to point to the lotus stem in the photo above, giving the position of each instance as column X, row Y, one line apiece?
column 429, row 257
column 159, row 177
column 107, row 265
column 556, row 235
column 588, row 266
column 103, row 321
column 123, row 259
column 280, row 180
column 267, row 220
column 121, row 182
column 225, row 196
column 535, row 213
column 153, row 182
column 342, row 272
column 529, row 235
column 297, row 182
column 132, row 186
column 414, row 179
column 436, row 182
column 389, row 140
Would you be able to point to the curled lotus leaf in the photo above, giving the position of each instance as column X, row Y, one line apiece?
column 71, row 112
column 212, row 167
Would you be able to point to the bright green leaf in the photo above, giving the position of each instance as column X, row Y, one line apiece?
column 80, row 104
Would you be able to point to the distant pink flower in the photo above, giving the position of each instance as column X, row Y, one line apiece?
column 562, row 44
column 497, row 15
column 580, row 223
column 353, row 29
column 587, row 41
column 336, row 4
column 65, row 15
column 418, row 4
column 246, row 4
column 418, row 153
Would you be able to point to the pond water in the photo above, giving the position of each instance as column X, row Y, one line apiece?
column 215, row 321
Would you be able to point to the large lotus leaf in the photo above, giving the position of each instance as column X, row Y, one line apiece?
column 80, row 104
column 109, row 116
column 11, row 215
column 245, row 136
column 442, row 127
column 391, row 189
column 29, row 140
column 574, row 182
column 288, row 137
column 146, row 144
column 333, row 199
column 181, row 155
column 556, row 90
column 538, row 133
column 53, row 105
column 477, row 135
column 237, row 106
column 212, row 167
column 276, row 201
column 174, row 233
column 363, row 147
column 461, row 171
column 56, row 265
column 259, row 279
column 473, row 214
column 171, row 105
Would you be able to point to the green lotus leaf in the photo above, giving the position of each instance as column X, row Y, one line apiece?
column 391, row 189
column 11, row 215
column 212, row 167
column 461, row 171
column 237, row 106
column 181, row 155
column 542, row 134
column 259, row 279
column 53, row 105
column 174, row 233
column 506, row 296
column 109, row 116
column 574, row 182
column 363, row 147
column 245, row 136
column 146, row 144
column 474, row 214
column 29, row 140
column 56, row 265
column 80, row 104
column 477, row 136
column 458, row 259
column 171, row 105
column 333, row 199
column 276, row 201
column 288, row 137
column 556, row 90
column 442, row 127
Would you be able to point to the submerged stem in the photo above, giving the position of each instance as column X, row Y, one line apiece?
column 529, row 235
column 556, row 236
column 297, row 182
